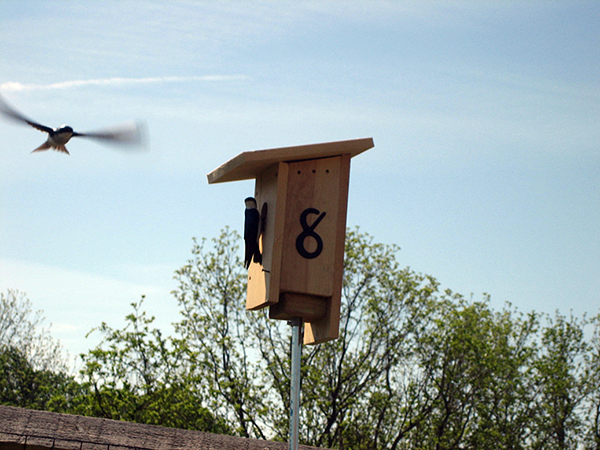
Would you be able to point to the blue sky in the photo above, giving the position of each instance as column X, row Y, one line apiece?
column 485, row 115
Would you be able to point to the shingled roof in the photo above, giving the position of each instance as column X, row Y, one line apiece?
column 26, row 429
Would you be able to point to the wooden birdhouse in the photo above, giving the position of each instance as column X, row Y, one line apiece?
column 302, row 195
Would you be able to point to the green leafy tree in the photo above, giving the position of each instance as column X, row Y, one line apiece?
column 592, row 375
column 481, row 389
column 22, row 385
column 21, row 329
column 561, row 383
column 414, row 368
column 33, row 370
column 504, row 408
column 359, row 391
column 218, row 331
column 352, row 388
column 136, row 374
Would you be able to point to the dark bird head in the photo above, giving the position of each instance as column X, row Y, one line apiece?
column 64, row 129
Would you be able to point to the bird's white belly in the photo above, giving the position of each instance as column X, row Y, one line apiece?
column 59, row 138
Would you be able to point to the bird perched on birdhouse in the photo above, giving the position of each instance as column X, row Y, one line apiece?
column 251, row 231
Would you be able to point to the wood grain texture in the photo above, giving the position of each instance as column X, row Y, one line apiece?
column 312, row 184
column 259, row 275
column 26, row 429
column 309, row 307
column 327, row 328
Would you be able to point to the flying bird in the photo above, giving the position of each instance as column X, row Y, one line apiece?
column 251, row 230
column 125, row 134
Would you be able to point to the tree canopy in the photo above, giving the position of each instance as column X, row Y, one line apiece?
column 33, row 369
column 415, row 366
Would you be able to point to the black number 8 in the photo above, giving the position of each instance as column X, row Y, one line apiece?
column 309, row 231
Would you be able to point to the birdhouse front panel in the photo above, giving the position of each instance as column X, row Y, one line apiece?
column 311, row 224
column 311, row 239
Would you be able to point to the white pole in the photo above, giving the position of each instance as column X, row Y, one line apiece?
column 296, row 324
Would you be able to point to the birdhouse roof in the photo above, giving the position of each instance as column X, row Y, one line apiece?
column 248, row 165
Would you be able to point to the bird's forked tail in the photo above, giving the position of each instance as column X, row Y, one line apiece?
column 46, row 146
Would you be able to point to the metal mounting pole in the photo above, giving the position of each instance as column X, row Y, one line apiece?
column 296, row 324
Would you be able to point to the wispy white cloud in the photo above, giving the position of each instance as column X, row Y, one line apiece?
column 13, row 86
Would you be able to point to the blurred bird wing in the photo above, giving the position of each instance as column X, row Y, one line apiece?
column 13, row 114
column 131, row 133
